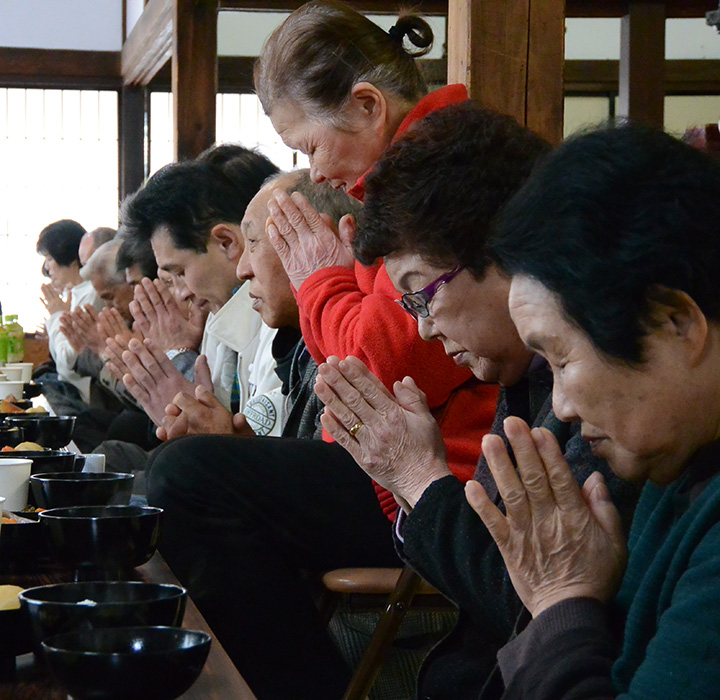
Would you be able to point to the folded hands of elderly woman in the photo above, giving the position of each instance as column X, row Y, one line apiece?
column 558, row 541
column 395, row 439
column 305, row 240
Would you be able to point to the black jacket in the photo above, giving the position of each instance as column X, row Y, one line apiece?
column 445, row 541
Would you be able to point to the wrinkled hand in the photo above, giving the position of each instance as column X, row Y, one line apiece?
column 114, row 348
column 399, row 444
column 152, row 379
column 111, row 324
column 73, row 335
column 52, row 300
column 304, row 240
column 200, row 413
column 159, row 318
column 558, row 542
column 85, row 320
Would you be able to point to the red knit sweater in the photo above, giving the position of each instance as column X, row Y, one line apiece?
column 347, row 311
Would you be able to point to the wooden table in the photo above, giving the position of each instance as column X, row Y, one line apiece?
column 219, row 680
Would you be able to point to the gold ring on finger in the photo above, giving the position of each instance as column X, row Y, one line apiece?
column 354, row 430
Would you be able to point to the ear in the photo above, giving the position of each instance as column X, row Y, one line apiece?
column 229, row 239
column 678, row 313
column 368, row 106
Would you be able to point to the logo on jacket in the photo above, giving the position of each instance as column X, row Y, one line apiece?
column 261, row 415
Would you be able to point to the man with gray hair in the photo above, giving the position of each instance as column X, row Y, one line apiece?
column 92, row 240
column 82, row 330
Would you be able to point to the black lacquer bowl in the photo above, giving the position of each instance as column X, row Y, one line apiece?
column 106, row 542
column 49, row 431
column 9, row 437
column 46, row 461
column 65, row 489
column 127, row 663
column 74, row 607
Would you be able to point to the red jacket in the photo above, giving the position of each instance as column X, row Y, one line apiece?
column 347, row 311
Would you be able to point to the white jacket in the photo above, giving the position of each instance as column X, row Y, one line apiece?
column 60, row 349
column 237, row 342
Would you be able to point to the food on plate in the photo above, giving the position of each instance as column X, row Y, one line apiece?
column 9, row 597
column 25, row 447
column 8, row 405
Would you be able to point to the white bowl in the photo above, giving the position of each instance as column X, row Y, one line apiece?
column 14, row 388
column 14, row 480
column 12, row 374
column 26, row 367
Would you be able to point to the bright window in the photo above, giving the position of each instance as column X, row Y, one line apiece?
column 58, row 156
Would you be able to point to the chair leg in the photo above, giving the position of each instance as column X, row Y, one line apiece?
column 379, row 647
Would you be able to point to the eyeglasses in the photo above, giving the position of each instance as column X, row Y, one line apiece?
column 417, row 303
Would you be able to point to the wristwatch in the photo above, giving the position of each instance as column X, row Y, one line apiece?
column 174, row 352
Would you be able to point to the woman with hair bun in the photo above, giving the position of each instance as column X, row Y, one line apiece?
column 340, row 89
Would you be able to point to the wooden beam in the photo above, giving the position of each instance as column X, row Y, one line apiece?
column 131, row 139
column 510, row 56
column 642, row 63
column 682, row 77
column 619, row 8
column 194, row 76
column 379, row 7
column 49, row 68
column 487, row 52
column 545, row 105
column 149, row 46
column 575, row 8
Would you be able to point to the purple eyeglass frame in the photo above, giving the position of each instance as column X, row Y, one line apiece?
column 416, row 303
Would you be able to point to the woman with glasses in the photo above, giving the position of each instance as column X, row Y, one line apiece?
column 433, row 238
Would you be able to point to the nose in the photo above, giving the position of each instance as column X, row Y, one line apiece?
column 182, row 293
column 315, row 175
column 562, row 406
column 426, row 328
column 243, row 271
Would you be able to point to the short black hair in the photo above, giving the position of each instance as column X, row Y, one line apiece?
column 61, row 240
column 613, row 222
column 137, row 252
column 437, row 190
column 191, row 197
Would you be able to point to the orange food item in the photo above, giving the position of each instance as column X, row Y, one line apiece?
column 7, row 406
column 8, row 521
column 7, row 448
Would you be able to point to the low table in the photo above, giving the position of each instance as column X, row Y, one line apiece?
column 219, row 679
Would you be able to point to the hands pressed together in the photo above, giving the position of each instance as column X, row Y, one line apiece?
column 52, row 300
column 398, row 442
column 305, row 240
column 159, row 317
column 558, row 541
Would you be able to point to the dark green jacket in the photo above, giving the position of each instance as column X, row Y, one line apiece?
column 665, row 623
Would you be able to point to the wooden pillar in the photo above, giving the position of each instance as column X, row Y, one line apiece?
column 510, row 55
column 131, row 139
column 642, row 63
column 194, row 75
